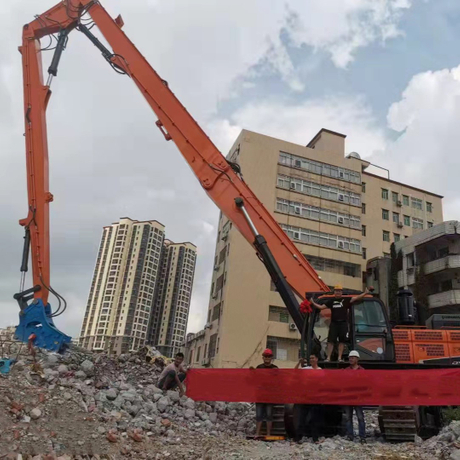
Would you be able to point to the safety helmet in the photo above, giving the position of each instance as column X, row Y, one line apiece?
column 354, row 353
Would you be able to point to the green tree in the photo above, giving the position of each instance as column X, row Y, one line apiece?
column 396, row 265
column 421, row 292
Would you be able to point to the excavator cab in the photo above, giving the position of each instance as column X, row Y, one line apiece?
column 369, row 331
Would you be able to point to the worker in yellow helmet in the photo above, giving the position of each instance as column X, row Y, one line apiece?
column 338, row 330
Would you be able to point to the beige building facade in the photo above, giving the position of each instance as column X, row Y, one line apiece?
column 337, row 214
column 125, row 306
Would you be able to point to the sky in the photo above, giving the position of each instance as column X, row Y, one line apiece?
column 384, row 72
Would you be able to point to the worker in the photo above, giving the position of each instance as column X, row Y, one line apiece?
column 311, row 413
column 264, row 411
column 338, row 329
column 173, row 375
column 353, row 358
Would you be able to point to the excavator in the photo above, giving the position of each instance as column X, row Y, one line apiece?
column 295, row 279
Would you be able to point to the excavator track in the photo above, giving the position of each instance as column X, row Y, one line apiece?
column 399, row 423
column 405, row 423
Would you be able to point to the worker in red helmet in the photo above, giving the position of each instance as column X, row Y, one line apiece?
column 264, row 411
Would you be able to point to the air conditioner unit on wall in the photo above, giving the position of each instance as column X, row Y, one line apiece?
column 292, row 327
column 340, row 220
column 399, row 203
column 340, row 244
column 400, row 225
column 341, row 197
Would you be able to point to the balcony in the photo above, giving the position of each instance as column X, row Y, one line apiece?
column 443, row 299
column 407, row 280
column 445, row 263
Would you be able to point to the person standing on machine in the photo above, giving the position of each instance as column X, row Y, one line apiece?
column 338, row 329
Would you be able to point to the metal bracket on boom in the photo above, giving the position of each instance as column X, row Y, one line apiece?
column 163, row 130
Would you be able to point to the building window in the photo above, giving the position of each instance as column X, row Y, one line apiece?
column 386, row 236
column 405, row 200
column 212, row 345
column 364, row 254
column 363, row 208
column 363, row 187
column 315, row 238
column 397, row 237
column 272, row 345
column 333, row 266
column 429, row 207
column 443, row 252
column 394, row 197
column 384, row 194
column 363, row 230
column 430, row 224
column 278, row 314
column 410, row 260
column 385, row 214
column 417, row 203
column 216, row 312
column 294, row 161
column 407, row 221
column 314, row 213
column 445, row 286
column 417, row 223
column 318, row 190
column 396, row 217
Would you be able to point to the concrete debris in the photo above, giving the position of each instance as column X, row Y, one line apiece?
column 83, row 405
column 35, row 414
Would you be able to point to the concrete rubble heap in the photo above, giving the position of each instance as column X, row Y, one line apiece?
column 82, row 405
column 97, row 400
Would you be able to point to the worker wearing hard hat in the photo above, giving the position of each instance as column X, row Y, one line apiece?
column 338, row 329
column 264, row 411
column 353, row 357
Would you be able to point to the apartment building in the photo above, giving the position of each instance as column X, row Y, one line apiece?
column 430, row 267
column 337, row 213
column 124, row 296
column 172, row 300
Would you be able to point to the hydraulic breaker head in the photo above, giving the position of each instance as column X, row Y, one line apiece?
column 36, row 319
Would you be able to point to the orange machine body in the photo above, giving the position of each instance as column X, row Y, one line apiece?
column 419, row 344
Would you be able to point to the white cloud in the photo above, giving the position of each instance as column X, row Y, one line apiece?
column 298, row 123
column 341, row 27
column 425, row 153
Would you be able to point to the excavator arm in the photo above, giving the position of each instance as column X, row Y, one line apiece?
column 220, row 179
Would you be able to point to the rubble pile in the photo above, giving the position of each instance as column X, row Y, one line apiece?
column 86, row 402
column 82, row 405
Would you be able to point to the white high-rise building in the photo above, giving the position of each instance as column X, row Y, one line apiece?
column 172, row 302
column 141, row 289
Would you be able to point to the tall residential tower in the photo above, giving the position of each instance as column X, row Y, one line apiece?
column 125, row 291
